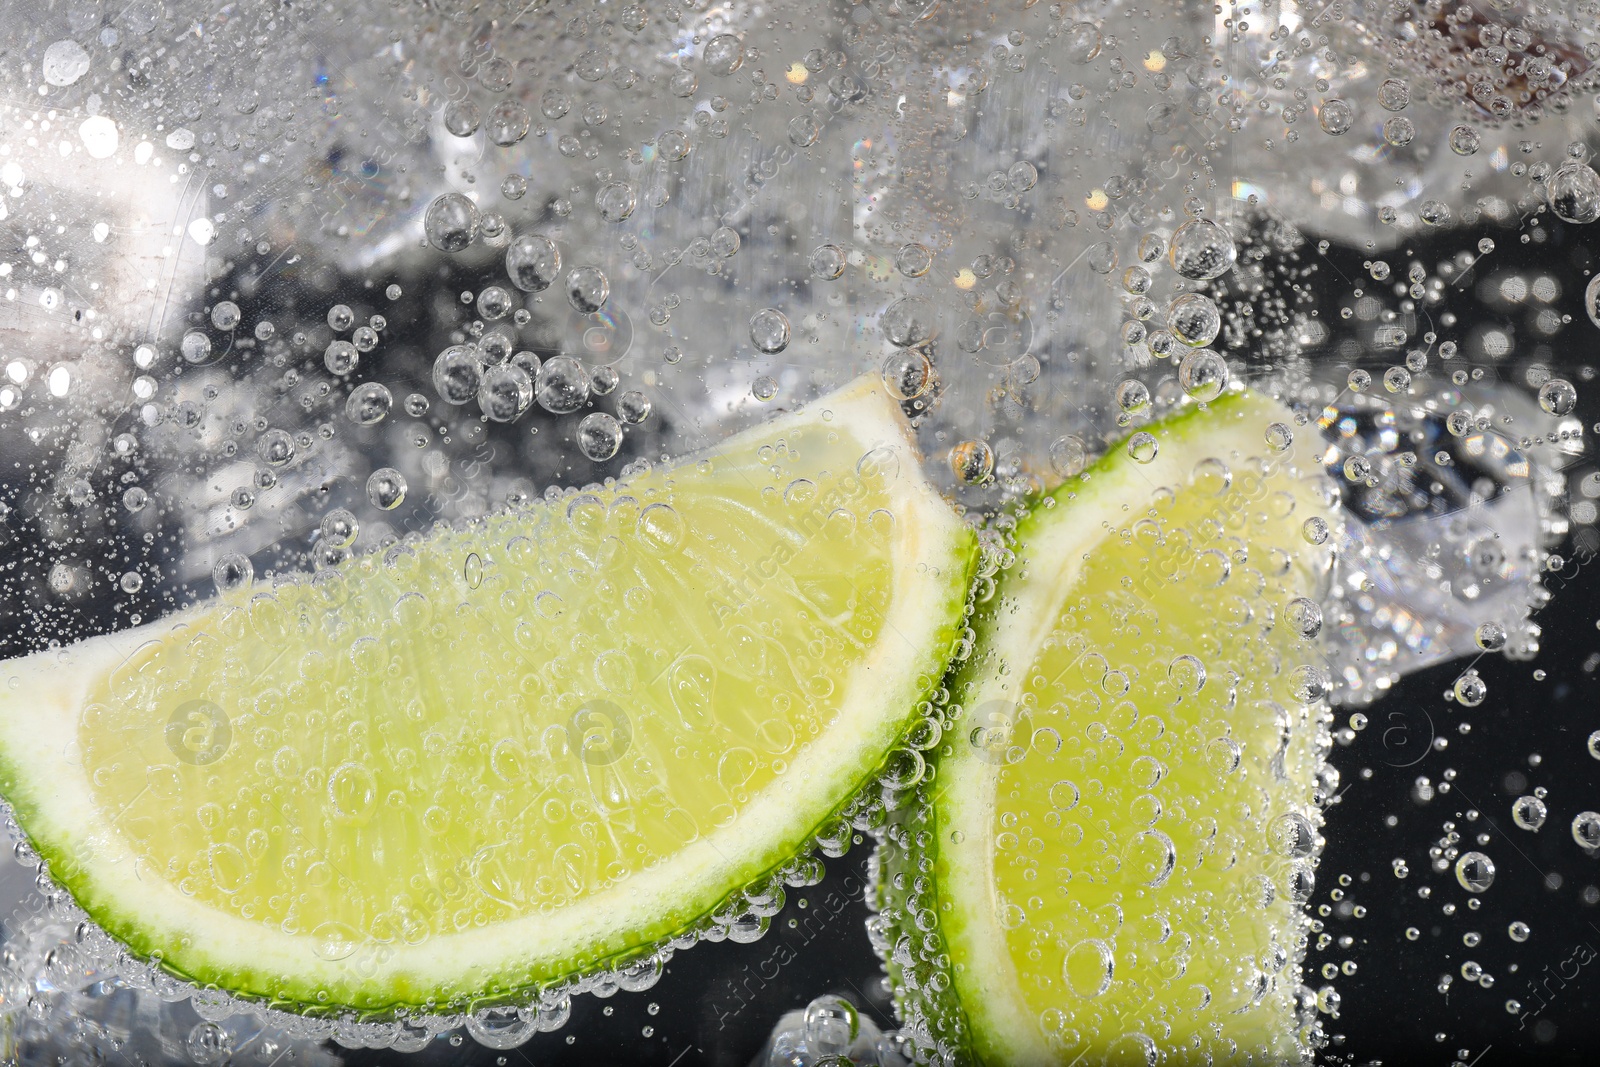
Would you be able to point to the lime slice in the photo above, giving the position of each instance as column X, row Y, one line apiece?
column 497, row 757
column 1108, row 859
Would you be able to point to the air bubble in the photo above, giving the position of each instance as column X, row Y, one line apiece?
column 1202, row 250
column 339, row 528
column 1203, row 375
column 232, row 571
column 1574, row 193
column 1490, row 636
column 1304, row 616
column 828, row 263
column 462, row 118
column 1069, row 455
column 562, row 385
column 913, row 260
column 972, row 462
column 451, row 222
column 1194, row 319
column 368, row 403
column 831, row 1026
column 1528, row 812
column 225, row 315
column 1470, row 689
column 1475, row 872
column 633, row 407
column 1336, row 117
column 599, row 436
column 386, row 488
column 769, row 331
column 907, row 374
column 588, row 288
column 457, row 374
column 724, row 54
column 505, row 392
column 1558, row 396
column 1586, row 830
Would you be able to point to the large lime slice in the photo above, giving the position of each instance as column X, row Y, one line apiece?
column 1108, row 863
column 499, row 756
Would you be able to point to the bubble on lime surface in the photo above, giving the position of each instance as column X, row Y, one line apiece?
column 1305, row 616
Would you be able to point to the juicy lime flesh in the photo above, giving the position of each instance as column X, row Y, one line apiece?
column 1131, row 837
column 1152, row 765
column 511, row 719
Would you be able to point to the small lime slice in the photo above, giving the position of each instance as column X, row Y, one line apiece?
column 497, row 757
column 1108, row 861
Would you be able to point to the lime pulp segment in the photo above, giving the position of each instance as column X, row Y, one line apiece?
column 1109, row 862
column 501, row 756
